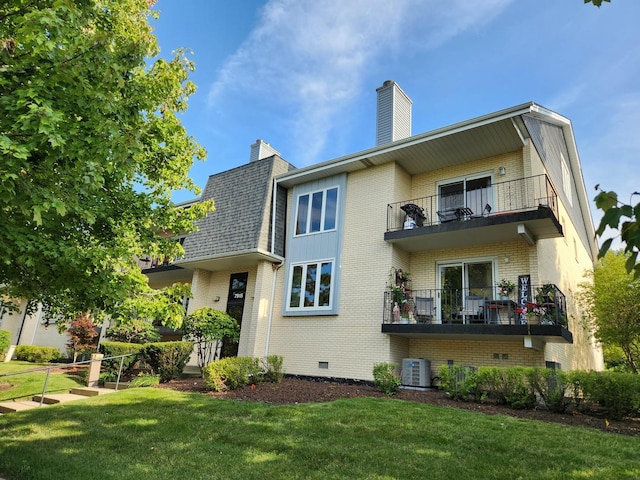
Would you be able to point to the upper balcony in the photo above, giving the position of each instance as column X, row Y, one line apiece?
column 162, row 269
column 525, row 208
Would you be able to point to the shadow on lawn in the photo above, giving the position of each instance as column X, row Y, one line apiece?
column 163, row 434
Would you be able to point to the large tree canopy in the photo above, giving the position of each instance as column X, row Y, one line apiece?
column 91, row 148
column 612, row 307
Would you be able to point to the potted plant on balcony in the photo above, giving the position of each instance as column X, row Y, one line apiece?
column 399, row 287
column 533, row 313
column 546, row 294
column 505, row 288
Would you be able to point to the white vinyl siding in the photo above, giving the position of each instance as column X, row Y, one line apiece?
column 566, row 179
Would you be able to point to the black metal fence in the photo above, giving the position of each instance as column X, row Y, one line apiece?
column 511, row 196
column 474, row 305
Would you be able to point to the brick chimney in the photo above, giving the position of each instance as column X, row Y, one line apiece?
column 260, row 150
column 393, row 120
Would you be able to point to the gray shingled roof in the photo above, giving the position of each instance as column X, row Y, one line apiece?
column 242, row 216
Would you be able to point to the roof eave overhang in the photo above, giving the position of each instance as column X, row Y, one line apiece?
column 230, row 260
column 392, row 151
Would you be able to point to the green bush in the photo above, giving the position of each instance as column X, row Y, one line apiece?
column 231, row 372
column 167, row 359
column 5, row 342
column 613, row 395
column 616, row 394
column 552, row 386
column 144, row 380
column 460, row 382
column 134, row 331
column 114, row 349
column 508, row 386
column 273, row 368
column 37, row 354
column 386, row 378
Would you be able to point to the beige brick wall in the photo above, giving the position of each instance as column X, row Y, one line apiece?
column 476, row 354
column 256, row 313
column 350, row 342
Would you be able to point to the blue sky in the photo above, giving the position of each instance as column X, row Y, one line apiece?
column 302, row 74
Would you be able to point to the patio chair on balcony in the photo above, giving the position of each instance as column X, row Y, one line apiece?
column 456, row 213
column 425, row 310
column 473, row 309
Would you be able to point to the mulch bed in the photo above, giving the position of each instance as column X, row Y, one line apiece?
column 295, row 390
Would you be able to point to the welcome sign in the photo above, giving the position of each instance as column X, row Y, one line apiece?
column 524, row 294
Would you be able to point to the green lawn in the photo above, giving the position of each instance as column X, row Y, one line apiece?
column 27, row 385
column 162, row 434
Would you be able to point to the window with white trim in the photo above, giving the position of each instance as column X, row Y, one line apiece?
column 310, row 285
column 317, row 211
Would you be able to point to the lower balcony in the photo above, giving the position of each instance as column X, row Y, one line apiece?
column 478, row 313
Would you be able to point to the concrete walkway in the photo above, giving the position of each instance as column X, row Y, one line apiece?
column 53, row 398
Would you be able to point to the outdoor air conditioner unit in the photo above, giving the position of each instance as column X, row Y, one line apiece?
column 416, row 372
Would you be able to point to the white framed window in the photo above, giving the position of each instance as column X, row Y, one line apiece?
column 310, row 285
column 317, row 211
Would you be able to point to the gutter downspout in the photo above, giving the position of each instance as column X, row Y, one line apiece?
column 274, row 197
column 35, row 330
column 273, row 296
column 273, row 266
column 24, row 319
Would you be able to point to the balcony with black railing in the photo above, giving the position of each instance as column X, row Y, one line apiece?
column 480, row 313
column 163, row 268
column 525, row 209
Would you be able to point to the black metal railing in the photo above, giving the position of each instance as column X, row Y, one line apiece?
column 66, row 366
column 523, row 194
column 475, row 305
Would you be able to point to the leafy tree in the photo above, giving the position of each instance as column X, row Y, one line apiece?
column 206, row 327
column 91, row 148
column 614, row 213
column 165, row 306
column 134, row 331
column 82, row 336
column 597, row 3
column 612, row 307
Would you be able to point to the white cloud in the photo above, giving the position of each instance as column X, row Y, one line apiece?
column 311, row 58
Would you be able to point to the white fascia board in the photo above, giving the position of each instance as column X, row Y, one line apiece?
column 300, row 173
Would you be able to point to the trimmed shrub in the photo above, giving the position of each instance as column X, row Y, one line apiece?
column 614, row 395
column 273, row 368
column 386, row 378
column 5, row 342
column 134, row 331
column 231, row 372
column 460, row 382
column 552, row 386
column 114, row 349
column 167, row 359
column 37, row 354
column 508, row 386
column 205, row 327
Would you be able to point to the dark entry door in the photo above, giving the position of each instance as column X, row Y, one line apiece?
column 235, row 308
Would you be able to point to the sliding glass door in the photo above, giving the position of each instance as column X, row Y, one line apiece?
column 474, row 193
column 460, row 281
